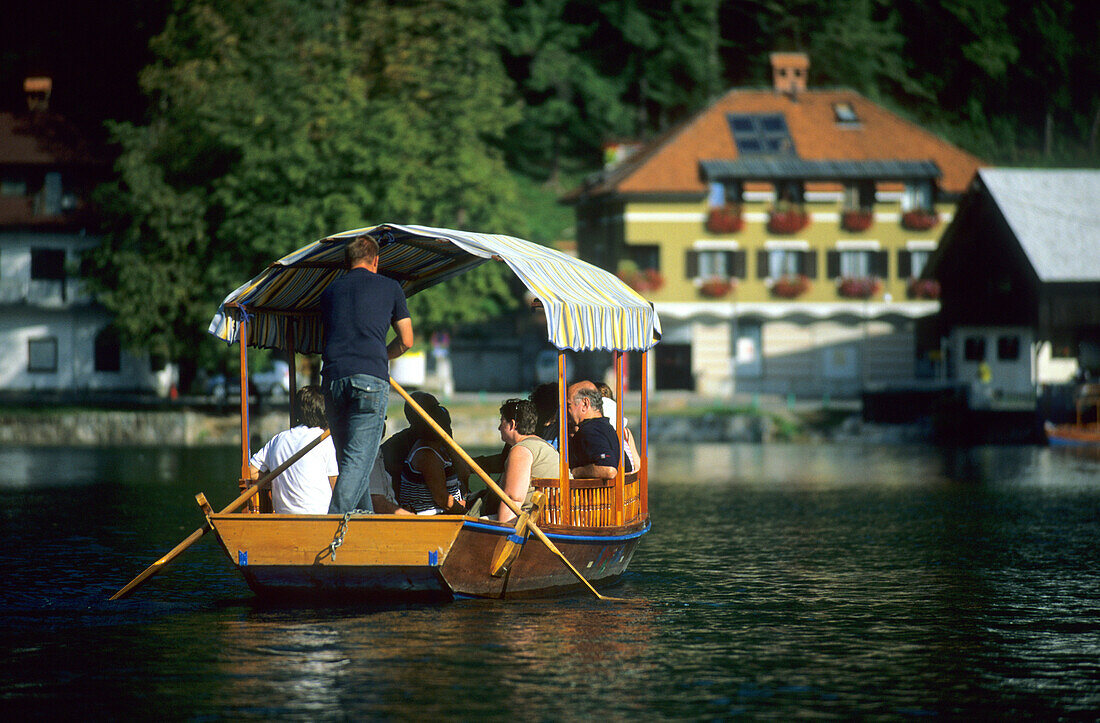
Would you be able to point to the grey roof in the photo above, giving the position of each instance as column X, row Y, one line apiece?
column 1055, row 216
column 772, row 167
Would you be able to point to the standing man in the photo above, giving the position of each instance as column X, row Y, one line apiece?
column 358, row 310
column 594, row 447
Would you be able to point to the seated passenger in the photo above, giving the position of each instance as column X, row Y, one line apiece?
column 594, row 448
column 382, row 496
column 430, row 483
column 305, row 487
column 545, row 397
column 395, row 449
column 611, row 411
column 528, row 456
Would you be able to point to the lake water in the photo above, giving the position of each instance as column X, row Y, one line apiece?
column 840, row 581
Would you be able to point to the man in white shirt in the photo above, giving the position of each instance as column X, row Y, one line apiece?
column 304, row 488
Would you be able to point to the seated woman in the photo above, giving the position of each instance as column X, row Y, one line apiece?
column 529, row 455
column 430, row 482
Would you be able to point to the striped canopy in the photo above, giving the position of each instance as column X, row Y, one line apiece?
column 586, row 307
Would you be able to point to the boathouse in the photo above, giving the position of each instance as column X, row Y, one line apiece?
column 1019, row 276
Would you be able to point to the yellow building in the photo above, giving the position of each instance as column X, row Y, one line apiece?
column 780, row 234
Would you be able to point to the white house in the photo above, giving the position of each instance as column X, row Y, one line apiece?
column 54, row 336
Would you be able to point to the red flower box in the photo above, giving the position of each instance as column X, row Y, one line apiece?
column 725, row 219
column 788, row 221
column 790, row 286
column 854, row 287
column 920, row 220
column 857, row 220
column 642, row 281
column 717, row 288
column 923, row 289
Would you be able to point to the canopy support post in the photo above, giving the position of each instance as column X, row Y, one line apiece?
column 643, row 452
column 291, row 332
column 620, row 493
column 566, row 495
column 242, row 338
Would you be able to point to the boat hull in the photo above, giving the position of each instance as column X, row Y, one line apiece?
column 414, row 558
column 1073, row 435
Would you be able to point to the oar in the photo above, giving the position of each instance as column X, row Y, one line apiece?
column 194, row 536
column 496, row 489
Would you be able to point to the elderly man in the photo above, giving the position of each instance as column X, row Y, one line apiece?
column 594, row 447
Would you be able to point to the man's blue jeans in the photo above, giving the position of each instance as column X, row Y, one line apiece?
column 356, row 408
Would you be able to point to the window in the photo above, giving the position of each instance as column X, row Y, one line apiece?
column 715, row 264
column 1008, row 348
column 790, row 192
column 731, row 192
column 760, row 133
column 974, row 349
column 12, row 186
column 782, row 262
column 859, row 196
column 42, row 355
column 644, row 256
column 913, row 260
column 845, row 114
column 108, row 351
column 857, row 263
column 917, row 196
column 48, row 264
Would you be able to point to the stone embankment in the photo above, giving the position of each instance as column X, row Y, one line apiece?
column 475, row 425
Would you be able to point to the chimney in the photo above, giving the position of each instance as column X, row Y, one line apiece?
column 789, row 71
column 37, row 90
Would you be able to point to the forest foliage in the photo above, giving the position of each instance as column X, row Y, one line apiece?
column 271, row 123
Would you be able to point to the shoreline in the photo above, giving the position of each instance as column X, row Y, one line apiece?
column 677, row 418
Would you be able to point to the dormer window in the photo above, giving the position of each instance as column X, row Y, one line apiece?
column 845, row 114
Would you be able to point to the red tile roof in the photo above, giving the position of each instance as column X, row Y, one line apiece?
column 41, row 140
column 670, row 165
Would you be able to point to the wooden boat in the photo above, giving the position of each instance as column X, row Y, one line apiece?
column 1080, row 433
column 586, row 528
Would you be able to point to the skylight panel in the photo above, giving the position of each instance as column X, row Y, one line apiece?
column 845, row 114
column 761, row 134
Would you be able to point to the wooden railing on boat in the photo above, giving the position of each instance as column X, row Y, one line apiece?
column 591, row 502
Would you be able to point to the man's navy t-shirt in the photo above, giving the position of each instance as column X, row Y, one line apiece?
column 594, row 442
column 357, row 311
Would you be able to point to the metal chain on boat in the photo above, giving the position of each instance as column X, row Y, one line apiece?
column 338, row 538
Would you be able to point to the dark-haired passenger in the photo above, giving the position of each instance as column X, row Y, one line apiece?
column 529, row 455
column 430, row 483
column 305, row 487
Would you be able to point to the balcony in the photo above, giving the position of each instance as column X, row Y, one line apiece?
column 725, row 219
column 790, row 286
column 717, row 288
column 858, row 287
column 856, row 220
column 919, row 219
column 787, row 219
column 923, row 289
column 641, row 280
column 45, row 293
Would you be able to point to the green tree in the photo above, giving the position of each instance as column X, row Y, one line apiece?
column 276, row 122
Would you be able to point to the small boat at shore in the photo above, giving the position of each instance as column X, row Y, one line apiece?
column 582, row 531
column 1080, row 433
